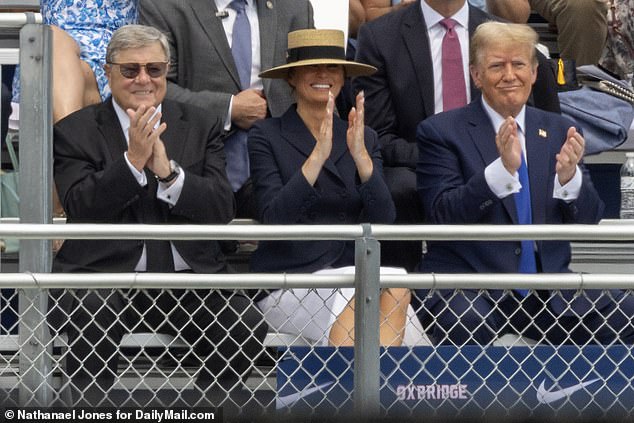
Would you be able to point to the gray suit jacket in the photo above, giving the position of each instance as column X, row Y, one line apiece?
column 202, row 70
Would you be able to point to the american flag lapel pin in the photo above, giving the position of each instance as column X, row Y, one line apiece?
column 542, row 133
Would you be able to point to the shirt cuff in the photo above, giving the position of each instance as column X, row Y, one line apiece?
column 170, row 194
column 140, row 176
column 228, row 116
column 500, row 181
column 570, row 191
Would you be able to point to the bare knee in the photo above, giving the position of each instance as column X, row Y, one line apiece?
column 63, row 43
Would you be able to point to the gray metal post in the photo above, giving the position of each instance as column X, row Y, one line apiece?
column 366, row 325
column 36, row 181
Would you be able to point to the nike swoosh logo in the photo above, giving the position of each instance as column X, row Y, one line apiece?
column 291, row 399
column 545, row 396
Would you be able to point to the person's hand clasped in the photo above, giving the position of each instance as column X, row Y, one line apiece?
column 569, row 156
column 509, row 146
column 143, row 135
column 356, row 139
column 248, row 107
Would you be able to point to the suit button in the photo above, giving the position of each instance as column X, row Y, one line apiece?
column 313, row 198
column 518, row 251
column 343, row 194
column 342, row 216
column 312, row 215
column 486, row 204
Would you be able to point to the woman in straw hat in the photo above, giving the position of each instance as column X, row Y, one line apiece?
column 311, row 167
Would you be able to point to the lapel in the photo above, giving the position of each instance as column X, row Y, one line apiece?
column 539, row 163
column 483, row 137
column 175, row 136
column 205, row 12
column 110, row 129
column 267, row 21
column 414, row 32
column 295, row 133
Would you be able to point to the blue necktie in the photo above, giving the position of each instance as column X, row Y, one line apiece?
column 524, row 217
column 236, row 144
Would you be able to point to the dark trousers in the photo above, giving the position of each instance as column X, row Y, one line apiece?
column 469, row 317
column 245, row 201
column 225, row 329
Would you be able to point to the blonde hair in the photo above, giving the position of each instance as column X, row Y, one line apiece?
column 492, row 32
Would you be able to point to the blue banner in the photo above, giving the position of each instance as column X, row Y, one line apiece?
column 472, row 380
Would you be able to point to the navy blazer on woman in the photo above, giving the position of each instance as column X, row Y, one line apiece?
column 454, row 149
column 278, row 147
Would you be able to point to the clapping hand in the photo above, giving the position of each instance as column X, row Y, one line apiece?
column 143, row 135
column 569, row 156
column 509, row 146
column 323, row 145
column 356, row 140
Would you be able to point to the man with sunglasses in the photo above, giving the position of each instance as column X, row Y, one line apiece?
column 141, row 158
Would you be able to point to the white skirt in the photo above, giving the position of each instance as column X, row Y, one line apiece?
column 309, row 313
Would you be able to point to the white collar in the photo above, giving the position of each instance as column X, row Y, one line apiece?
column 433, row 18
column 124, row 119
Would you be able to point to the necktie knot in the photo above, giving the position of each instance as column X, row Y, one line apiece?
column 448, row 24
column 238, row 5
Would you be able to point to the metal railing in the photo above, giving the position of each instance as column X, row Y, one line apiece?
column 366, row 280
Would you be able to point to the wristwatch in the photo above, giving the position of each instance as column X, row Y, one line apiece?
column 175, row 170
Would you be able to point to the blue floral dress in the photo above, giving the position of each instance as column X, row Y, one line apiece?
column 91, row 23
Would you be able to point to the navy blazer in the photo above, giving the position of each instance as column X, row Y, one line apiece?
column 278, row 147
column 454, row 149
column 401, row 93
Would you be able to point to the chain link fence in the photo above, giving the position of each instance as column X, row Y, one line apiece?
column 527, row 371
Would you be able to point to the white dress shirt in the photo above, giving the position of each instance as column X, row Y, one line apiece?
column 227, row 24
column 436, row 33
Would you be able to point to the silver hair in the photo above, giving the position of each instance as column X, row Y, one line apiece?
column 135, row 36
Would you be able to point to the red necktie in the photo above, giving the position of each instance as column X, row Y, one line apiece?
column 454, row 91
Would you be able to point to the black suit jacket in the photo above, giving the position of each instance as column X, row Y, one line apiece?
column 401, row 93
column 96, row 185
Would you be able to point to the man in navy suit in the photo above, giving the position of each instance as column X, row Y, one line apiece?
column 469, row 171
column 405, row 47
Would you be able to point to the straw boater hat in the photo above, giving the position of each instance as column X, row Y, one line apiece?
column 317, row 47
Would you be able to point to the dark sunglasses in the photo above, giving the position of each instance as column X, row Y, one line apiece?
column 132, row 70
